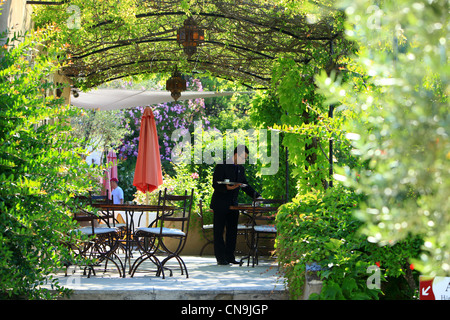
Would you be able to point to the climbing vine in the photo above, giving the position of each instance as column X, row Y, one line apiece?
column 113, row 39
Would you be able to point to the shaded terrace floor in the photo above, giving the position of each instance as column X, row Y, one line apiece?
column 207, row 281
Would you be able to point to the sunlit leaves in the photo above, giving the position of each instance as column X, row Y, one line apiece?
column 402, row 124
column 112, row 39
column 40, row 169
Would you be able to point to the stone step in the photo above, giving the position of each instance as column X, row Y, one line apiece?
column 261, row 295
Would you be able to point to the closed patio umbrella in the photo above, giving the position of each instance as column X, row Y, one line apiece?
column 111, row 172
column 148, row 174
column 112, row 158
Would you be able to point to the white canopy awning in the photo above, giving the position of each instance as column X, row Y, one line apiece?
column 113, row 99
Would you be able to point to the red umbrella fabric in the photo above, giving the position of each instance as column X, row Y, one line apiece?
column 148, row 174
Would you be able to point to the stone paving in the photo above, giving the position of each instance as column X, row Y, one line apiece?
column 207, row 281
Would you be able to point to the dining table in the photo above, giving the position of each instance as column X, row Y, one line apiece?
column 130, row 211
column 248, row 207
column 253, row 211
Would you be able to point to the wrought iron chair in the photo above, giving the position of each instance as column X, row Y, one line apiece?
column 108, row 216
column 169, row 224
column 93, row 198
column 206, row 228
column 263, row 211
column 101, row 242
column 243, row 229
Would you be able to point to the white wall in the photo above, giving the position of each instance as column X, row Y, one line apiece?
column 15, row 17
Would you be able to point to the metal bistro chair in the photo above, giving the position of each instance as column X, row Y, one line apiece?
column 169, row 224
column 206, row 228
column 243, row 229
column 263, row 211
column 101, row 243
column 108, row 215
column 93, row 198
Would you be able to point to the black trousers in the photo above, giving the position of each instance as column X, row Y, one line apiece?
column 225, row 219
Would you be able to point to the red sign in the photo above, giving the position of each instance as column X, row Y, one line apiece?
column 434, row 288
column 426, row 288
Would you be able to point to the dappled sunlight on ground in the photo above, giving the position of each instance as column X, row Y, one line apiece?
column 204, row 275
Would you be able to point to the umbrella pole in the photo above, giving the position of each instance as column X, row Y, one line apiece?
column 146, row 213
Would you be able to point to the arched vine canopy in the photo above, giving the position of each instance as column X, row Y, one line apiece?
column 110, row 39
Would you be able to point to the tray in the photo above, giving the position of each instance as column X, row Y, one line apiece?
column 231, row 183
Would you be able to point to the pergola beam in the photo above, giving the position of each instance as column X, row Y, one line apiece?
column 216, row 15
column 244, row 39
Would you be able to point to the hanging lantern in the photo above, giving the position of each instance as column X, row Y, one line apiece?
column 190, row 36
column 176, row 84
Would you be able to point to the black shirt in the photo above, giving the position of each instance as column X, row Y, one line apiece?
column 223, row 198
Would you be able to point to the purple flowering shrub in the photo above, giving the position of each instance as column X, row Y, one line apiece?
column 168, row 117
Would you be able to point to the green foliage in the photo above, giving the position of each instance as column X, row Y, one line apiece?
column 100, row 130
column 398, row 157
column 294, row 108
column 106, row 40
column 266, row 114
column 184, row 179
column 319, row 227
column 400, row 98
column 40, row 170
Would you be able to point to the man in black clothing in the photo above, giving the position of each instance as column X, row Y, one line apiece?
column 224, row 196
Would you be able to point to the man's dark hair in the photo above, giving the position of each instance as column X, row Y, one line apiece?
column 240, row 147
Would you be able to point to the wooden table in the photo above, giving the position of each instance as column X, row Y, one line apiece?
column 130, row 210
